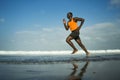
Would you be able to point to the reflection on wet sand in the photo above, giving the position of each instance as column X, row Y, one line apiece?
column 79, row 75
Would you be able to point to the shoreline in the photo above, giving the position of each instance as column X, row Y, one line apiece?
column 55, row 58
column 66, row 52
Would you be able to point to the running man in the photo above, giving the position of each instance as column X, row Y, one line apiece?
column 74, row 28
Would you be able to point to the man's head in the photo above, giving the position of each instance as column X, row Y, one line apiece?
column 69, row 15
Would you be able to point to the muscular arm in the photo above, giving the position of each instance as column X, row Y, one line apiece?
column 66, row 26
column 79, row 19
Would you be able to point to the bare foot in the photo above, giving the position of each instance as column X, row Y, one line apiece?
column 74, row 51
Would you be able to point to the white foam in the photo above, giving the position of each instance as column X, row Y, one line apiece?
column 57, row 52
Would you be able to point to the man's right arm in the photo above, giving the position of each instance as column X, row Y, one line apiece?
column 66, row 26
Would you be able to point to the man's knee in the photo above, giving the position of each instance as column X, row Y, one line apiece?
column 67, row 40
column 80, row 43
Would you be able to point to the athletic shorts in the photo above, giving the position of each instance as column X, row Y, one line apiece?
column 75, row 34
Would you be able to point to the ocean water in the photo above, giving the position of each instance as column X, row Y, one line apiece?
column 56, row 56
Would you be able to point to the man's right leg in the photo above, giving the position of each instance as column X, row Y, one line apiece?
column 82, row 46
column 68, row 40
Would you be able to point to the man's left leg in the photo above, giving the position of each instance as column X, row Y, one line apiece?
column 82, row 46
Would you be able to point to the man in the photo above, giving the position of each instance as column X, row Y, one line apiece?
column 72, row 25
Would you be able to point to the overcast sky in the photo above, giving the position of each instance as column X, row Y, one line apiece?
column 37, row 24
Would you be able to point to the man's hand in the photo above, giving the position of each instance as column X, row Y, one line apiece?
column 66, row 26
column 64, row 21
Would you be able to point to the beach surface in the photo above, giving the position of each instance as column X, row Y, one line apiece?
column 49, row 66
column 87, row 70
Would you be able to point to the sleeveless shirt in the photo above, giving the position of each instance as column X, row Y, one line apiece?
column 72, row 25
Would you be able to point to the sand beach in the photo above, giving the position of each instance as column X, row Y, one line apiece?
column 98, row 66
column 87, row 70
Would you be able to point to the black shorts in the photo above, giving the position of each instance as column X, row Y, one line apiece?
column 75, row 34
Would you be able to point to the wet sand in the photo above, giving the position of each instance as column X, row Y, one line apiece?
column 74, row 70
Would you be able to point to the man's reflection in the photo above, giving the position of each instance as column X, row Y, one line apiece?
column 79, row 75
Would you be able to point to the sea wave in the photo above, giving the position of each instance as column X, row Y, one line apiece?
column 57, row 52
column 56, row 56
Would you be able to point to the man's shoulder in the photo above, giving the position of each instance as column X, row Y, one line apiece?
column 75, row 18
column 78, row 18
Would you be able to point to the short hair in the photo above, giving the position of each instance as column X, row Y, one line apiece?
column 70, row 13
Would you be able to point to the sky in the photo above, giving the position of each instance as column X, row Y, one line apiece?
column 37, row 24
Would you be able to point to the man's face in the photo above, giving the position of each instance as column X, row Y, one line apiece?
column 69, row 16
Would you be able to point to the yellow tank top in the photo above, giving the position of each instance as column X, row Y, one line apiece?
column 72, row 25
